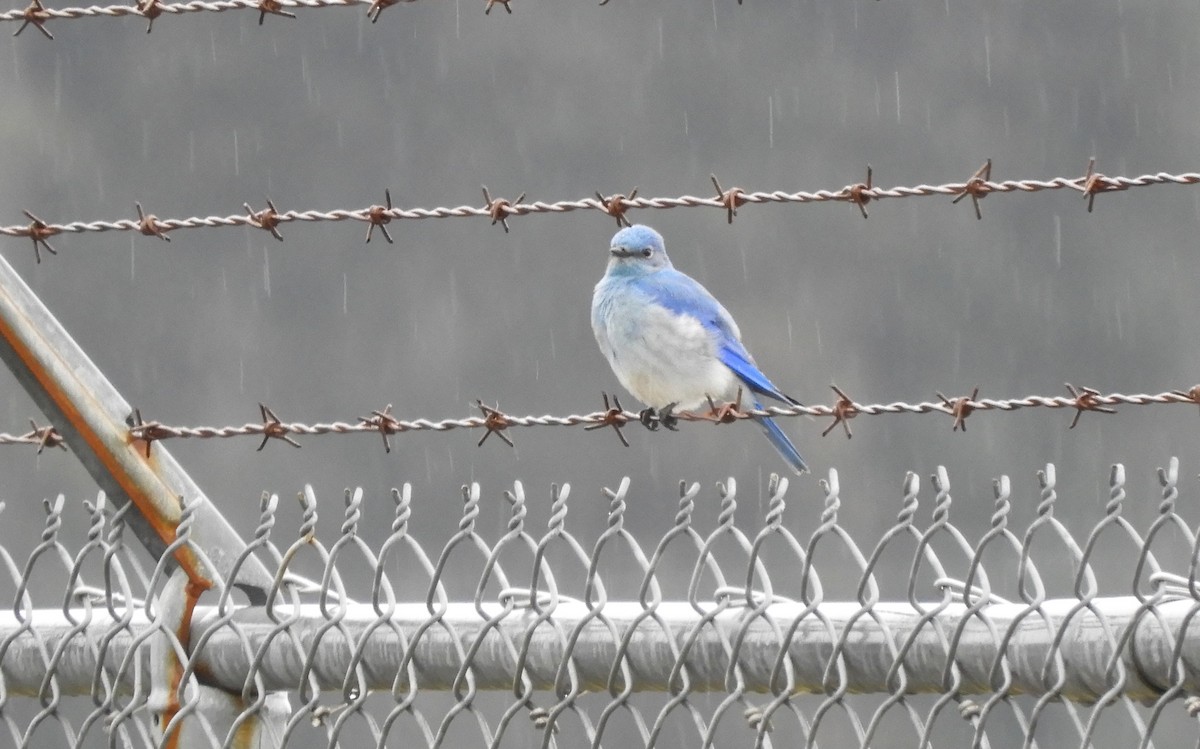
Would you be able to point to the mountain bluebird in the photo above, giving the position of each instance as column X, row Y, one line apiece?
column 670, row 342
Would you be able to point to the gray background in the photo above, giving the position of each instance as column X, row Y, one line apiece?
column 561, row 99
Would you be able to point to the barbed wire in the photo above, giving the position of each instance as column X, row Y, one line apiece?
column 495, row 421
column 36, row 14
column 500, row 210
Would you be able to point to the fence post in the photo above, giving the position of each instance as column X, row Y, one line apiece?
column 94, row 421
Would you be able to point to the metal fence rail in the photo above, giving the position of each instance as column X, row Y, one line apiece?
column 725, row 631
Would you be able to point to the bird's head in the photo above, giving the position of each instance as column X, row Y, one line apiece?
column 637, row 249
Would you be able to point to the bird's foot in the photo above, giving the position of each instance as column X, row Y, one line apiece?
column 666, row 417
column 652, row 418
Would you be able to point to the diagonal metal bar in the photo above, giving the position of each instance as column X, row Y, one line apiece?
column 94, row 421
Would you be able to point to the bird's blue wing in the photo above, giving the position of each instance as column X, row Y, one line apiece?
column 734, row 355
column 682, row 294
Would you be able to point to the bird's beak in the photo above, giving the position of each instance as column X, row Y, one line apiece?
column 619, row 252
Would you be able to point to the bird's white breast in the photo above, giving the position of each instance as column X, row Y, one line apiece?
column 663, row 357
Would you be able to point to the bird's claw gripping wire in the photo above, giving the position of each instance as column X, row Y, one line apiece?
column 665, row 417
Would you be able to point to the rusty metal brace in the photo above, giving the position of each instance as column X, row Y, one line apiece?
column 94, row 420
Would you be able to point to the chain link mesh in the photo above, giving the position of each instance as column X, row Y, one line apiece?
column 719, row 631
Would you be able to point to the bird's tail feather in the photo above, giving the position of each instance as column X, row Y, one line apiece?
column 782, row 443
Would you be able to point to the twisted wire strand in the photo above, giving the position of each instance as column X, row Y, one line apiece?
column 193, row 6
column 495, row 421
column 499, row 210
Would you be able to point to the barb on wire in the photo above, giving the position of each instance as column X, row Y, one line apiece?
column 151, row 9
column 614, row 416
column 731, row 199
column 43, row 437
column 380, row 216
column 616, row 205
column 35, row 13
column 494, row 421
column 268, row 219
column 147, row 431
column 499, row 210
column 975, row 187
column 1095, row 183
column 843, row 411
column 378, row 6
column 385, row 423
column 272, row 7
column 38, row 231
column 273, row 428
column 149, row 226
column 860, row 194
column 961, row 408
column 1087, row 399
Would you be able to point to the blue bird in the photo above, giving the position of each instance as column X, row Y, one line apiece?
column 670, row 342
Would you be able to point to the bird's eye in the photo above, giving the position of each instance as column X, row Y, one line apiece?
column 647, row 252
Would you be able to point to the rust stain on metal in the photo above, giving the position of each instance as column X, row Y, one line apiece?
column 192, row 592
column 163, row 526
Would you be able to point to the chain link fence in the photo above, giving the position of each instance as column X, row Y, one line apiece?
column 743, row 631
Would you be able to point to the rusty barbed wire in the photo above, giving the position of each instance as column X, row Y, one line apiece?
column 499, row 210
column 494, row 421
column 36, row 14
